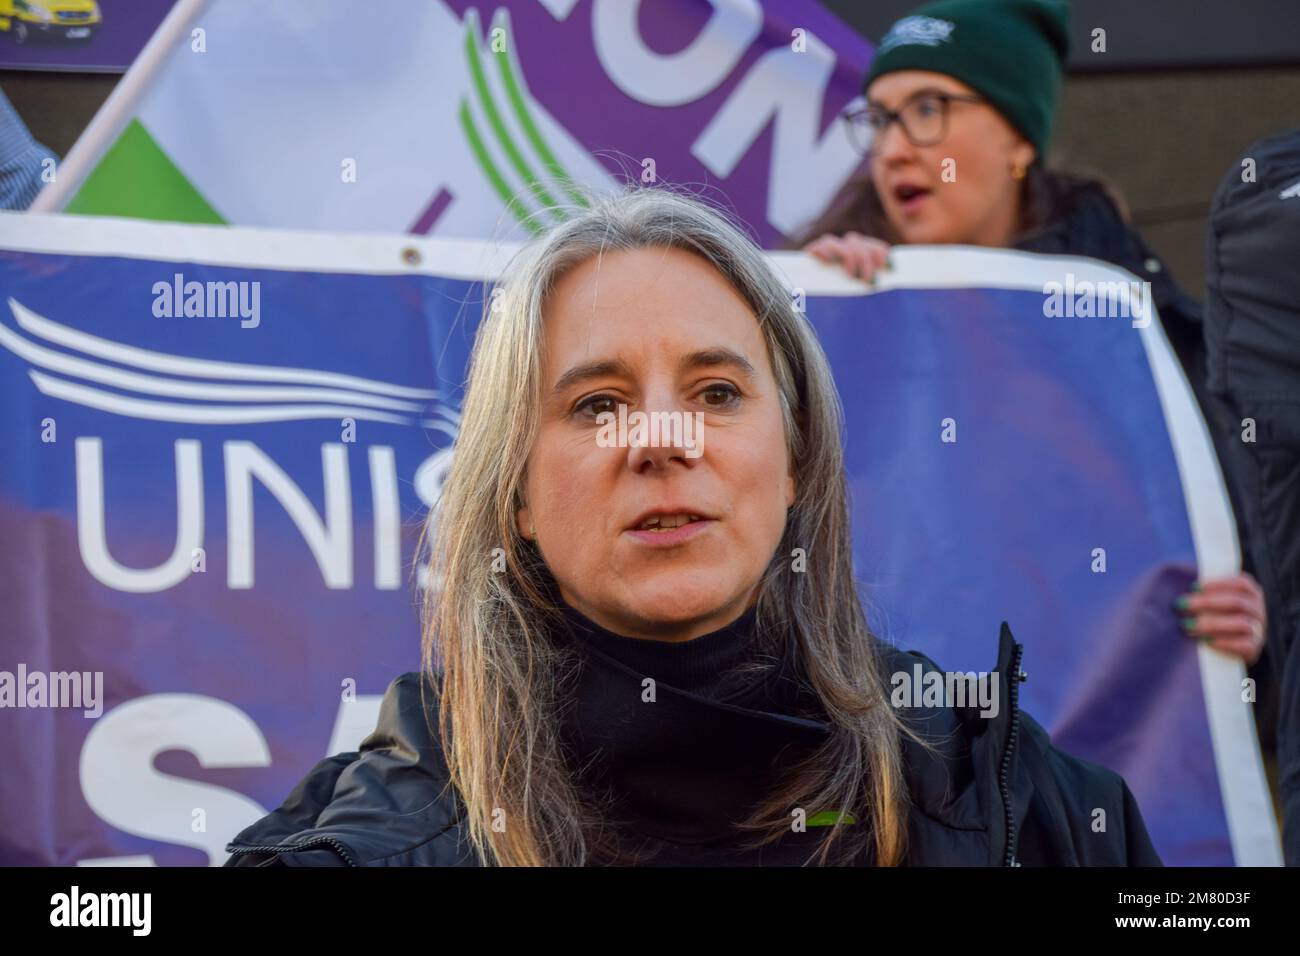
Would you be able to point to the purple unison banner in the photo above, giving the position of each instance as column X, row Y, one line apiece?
column 208, row 522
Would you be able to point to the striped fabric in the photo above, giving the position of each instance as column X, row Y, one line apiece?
column 22, row 160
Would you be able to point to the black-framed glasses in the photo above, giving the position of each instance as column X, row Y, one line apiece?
column 923, row 118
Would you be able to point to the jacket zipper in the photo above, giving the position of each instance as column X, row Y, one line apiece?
column 1009, row 855
column 332, row 843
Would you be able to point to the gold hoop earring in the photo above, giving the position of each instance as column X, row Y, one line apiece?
column 1019, row 172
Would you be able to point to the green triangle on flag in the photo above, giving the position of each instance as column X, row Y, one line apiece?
column 136, row 178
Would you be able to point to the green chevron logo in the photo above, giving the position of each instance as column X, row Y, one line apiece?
column 531, row 168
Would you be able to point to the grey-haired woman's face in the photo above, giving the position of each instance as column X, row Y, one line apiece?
column 658, row 332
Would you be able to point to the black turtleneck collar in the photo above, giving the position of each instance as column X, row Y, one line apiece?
column 687, row 763
column 705, row 665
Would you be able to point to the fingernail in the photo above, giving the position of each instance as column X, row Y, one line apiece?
column 1182, row 602
column 1189, row 624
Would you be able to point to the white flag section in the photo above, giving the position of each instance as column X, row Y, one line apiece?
column 381, row 117
column 333, row 115
column 437, row 117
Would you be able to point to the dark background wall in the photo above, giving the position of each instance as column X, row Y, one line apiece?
column 1183, row 88
column 1167, row 139
column 1144, row 34
column 57, row 106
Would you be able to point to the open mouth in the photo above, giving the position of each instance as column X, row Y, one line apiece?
column 669, row 529
column 664, row 523
column 909, row 196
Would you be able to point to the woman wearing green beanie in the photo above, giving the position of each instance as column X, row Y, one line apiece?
column 960, row 104
column 971, row 86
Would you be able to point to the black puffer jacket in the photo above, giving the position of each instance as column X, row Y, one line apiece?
column 993, row 792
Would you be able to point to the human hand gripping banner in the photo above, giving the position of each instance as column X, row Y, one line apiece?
column 208, row 522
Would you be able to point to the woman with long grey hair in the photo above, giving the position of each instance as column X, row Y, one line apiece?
column 647, row 645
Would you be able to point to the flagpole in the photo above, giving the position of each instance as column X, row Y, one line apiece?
column 118, row 109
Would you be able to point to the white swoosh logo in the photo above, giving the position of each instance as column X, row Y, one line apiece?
column 290, row 394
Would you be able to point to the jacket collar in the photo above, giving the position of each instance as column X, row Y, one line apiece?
column 682, row 767
column 964, row 776
column 683, row 776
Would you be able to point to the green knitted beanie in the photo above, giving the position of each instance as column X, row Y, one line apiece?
column 1012, row 52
